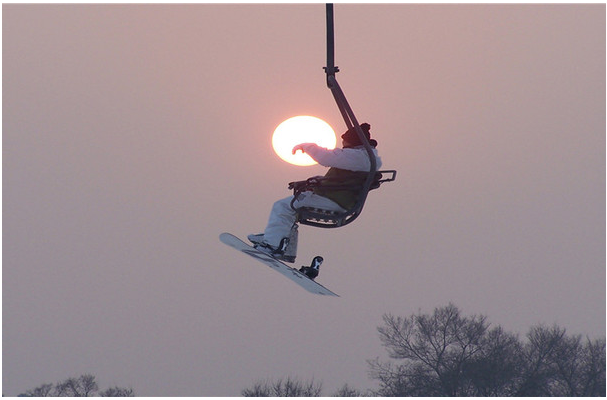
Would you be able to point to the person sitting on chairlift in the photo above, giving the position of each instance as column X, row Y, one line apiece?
column 348, row 166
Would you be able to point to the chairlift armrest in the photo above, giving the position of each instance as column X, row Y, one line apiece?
column 390, row 179
column 310, row 182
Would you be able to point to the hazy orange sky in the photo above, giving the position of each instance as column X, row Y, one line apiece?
column 133, row 135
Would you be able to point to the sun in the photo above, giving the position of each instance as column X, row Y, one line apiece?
column 301, row 129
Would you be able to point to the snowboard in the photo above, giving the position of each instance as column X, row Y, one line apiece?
column 277, row 265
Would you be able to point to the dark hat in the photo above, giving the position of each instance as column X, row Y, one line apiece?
column 352, row 137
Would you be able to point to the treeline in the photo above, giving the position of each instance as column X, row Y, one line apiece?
column 440, row 354
column 448, row 354
column 84, row 386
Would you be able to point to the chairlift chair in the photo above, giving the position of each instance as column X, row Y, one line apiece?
column 333, row 219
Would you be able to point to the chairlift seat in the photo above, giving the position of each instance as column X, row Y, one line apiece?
column 321, row 218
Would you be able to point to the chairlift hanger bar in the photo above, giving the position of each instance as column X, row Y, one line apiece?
column 331, row 69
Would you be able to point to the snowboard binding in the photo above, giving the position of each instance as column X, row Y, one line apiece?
column 314, row 268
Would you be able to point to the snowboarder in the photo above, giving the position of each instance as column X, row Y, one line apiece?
column 342, row 164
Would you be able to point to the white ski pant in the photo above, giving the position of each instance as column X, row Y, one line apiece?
column 282, row 216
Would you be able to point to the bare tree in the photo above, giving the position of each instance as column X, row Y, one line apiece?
column 491, row 372
column 438, row 348
column 44, row 390
column 347, row 391
column 288, row 387
column 561, row 365
column 83, row 386
column 117, row 392
column 446, row 354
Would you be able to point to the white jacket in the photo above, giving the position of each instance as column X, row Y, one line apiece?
column 353, row 159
